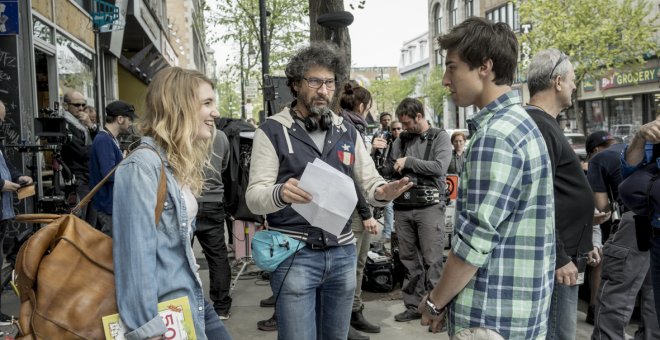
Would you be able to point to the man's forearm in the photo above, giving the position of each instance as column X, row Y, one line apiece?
column 455, row 276
column 635, row 151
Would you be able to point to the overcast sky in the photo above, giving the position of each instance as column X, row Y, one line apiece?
column 379, row 30
column 377, row 33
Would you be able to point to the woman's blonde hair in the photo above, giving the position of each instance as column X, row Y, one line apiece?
column 171, row 119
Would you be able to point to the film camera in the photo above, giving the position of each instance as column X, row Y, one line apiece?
column 52, row 126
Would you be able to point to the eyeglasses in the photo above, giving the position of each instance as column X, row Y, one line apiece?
column 316, row 83
column 78, row 104
column 561, row 59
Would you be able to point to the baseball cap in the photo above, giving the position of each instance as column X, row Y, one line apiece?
column 120, row 108
column 597, row 139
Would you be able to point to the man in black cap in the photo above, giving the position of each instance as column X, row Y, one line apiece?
column 597, row 142
column 105, row 154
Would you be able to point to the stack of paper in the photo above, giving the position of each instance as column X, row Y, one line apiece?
column 333, row 197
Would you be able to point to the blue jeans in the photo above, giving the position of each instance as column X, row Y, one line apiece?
column 214, row 328
column 316, row 295
column 655, row 272
column 388, row 216
column 562, row 322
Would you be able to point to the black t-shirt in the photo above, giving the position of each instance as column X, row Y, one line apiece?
column 604, row 173
column 574, row 201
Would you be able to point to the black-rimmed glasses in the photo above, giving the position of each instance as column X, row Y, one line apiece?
column 561, row 59
column 316, row 83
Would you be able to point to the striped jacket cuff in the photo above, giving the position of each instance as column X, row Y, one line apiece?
column 277, row 197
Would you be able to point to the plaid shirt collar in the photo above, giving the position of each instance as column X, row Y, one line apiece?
column 480, row 119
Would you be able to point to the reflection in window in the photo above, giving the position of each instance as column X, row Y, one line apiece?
column 75, row 67
column 453, row 13
column 469, row 8
column 438, row 19
column 42, row 30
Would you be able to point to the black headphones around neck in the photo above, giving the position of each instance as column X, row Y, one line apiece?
column 311, row 124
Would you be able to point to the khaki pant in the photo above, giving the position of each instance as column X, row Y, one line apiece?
column 477, row 334
column 363, row 240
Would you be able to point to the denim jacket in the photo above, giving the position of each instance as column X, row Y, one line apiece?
column 152, row 263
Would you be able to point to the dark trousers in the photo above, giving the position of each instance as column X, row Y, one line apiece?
column 4, row 224
column 87, row 213
column 655, row 272
column 210, row 232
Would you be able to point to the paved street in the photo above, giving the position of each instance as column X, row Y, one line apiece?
column 251, row 288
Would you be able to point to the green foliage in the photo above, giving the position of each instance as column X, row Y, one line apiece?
column 388, row 93
column 435, row 91
column 230, row 101
column 238, row 21
column 597, row 35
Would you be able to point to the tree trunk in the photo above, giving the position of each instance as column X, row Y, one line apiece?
column 319, row 33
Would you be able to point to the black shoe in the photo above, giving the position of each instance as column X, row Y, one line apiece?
column 268, row 325
column 590, row 314
column 270, row 302
column 407, row 315
column 6, row 320
column 361, row 324
column 355, row 335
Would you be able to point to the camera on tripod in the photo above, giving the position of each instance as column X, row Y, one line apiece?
column 52, row 126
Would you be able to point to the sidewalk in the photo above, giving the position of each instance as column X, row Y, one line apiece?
column 250, row 289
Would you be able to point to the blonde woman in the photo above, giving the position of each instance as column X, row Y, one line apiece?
column 155, row 263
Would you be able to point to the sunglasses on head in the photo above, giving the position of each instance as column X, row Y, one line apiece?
column 561, row 59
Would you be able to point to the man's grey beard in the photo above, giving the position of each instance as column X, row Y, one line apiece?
column 319, row 111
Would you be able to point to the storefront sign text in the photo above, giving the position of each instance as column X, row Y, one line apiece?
column 622, row 79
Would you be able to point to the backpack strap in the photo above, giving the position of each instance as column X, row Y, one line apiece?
column 430, row 137
column 160, row 195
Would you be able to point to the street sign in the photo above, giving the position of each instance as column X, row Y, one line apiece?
column 9, row 17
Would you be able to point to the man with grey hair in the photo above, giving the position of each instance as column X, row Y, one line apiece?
column 314, row 287
column 551, row 83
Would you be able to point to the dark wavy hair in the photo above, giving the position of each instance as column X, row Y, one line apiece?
column 319, row 53
column 409, row 107
column 353, row 95
column 477, row 40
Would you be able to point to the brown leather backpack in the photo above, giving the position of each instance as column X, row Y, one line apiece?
column 65, row 274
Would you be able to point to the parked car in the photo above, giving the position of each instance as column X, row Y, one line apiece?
column 577, row 142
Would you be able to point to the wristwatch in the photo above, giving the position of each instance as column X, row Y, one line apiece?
column 432, row 308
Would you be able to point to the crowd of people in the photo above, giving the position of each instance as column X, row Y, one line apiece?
column 530, row 218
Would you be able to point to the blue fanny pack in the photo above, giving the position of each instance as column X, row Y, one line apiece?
column 270, row 248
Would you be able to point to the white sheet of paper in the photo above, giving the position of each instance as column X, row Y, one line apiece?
column 333, row 197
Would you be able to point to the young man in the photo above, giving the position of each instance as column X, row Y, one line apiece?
column 551, row 82
column 498, row 278
column 314, row 289
column 105, row 155
column 421, row 153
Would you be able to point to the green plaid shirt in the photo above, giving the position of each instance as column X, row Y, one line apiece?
column 505, row 225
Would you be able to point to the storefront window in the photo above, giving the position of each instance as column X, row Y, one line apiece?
column 620, row 110
column 42, row 30
column 75, row 67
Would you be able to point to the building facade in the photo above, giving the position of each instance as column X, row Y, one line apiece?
column 104, row 52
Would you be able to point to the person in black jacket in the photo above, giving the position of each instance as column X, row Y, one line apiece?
column 75, row 153
column 10, row 181
column 355, row 103
column 551, row 82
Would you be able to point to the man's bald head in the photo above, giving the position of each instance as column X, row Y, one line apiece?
column 75, row 102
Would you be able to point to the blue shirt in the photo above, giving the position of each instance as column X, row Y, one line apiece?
column 105, row 155
column 627, row 169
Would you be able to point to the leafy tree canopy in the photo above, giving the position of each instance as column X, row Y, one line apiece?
column 597, row 35
column 387, row 94
column 435, row 91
